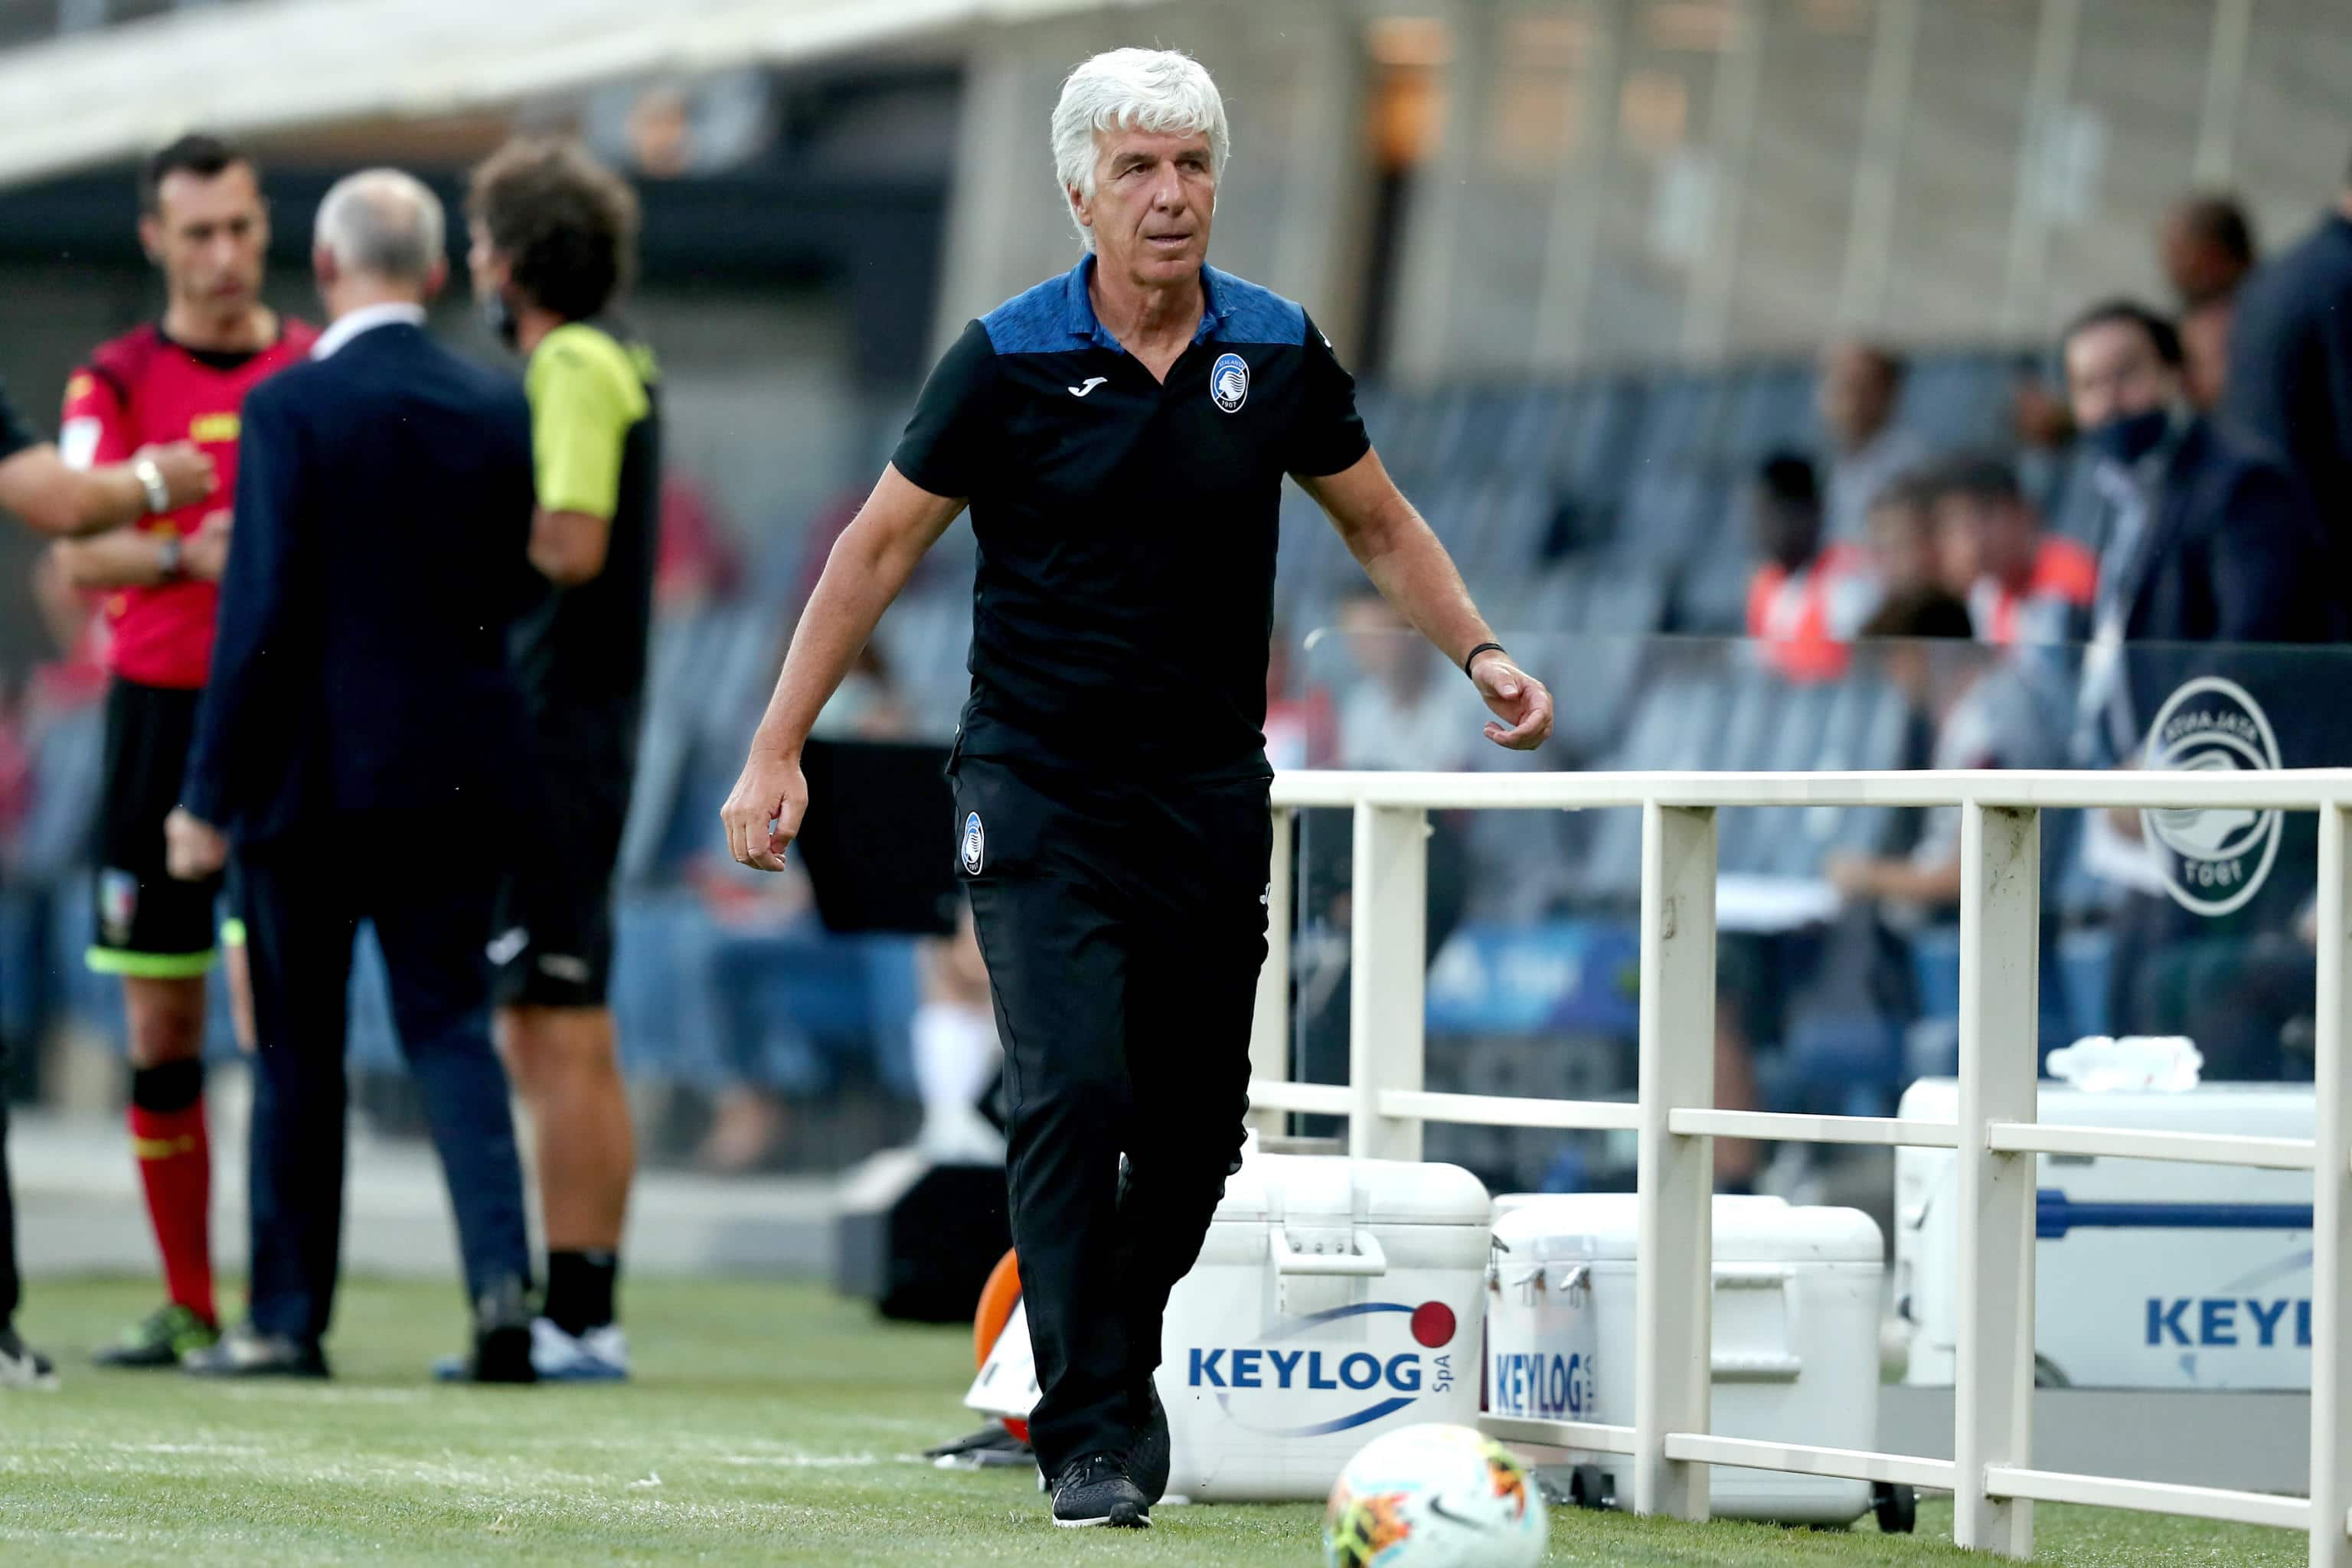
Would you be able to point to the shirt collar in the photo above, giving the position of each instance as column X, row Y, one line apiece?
column 1078, row 314
column 351, row 323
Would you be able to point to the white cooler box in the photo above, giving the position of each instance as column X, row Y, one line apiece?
column 1334, row 1299
column 1797, row 1299
column 2147, row 1274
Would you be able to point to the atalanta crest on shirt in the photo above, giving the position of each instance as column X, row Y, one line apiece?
column 975, row 842
column 1228, row 382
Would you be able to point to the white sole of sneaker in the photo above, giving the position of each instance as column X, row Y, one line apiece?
column 1103, row 1523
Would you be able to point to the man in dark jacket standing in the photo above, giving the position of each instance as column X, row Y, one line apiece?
column 359, row 738
column 2290, row 382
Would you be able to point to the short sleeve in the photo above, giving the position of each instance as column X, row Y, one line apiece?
column 1329, row 436
column 16, row 435
column 584, row 396
column 96, row 427
column 945, row 449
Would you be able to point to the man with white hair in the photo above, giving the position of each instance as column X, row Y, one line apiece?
column 360, row 739
column 1120, row 434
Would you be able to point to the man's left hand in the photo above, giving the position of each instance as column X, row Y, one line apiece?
column 193, row 848
column 1518, row 699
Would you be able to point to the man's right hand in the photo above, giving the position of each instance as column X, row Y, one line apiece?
column 204, row 553
column 763, row 813
column 187, row 470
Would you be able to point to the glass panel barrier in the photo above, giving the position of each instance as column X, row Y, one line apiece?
column 1839, row 965
column 759, row 1035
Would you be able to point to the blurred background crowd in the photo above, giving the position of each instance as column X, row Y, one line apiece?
column 1738, row 350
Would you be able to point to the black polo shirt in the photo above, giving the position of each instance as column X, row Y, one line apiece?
column 1125, row 593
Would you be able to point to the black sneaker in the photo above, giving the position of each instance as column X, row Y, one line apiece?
column 160, row 1340
column 1147, row 1461
column 1096, row 1490
column 22, row 1366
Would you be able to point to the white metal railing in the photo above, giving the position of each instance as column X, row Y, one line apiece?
column 1996, row 1135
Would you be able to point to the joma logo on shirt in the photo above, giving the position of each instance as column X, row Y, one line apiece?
column 214, row 427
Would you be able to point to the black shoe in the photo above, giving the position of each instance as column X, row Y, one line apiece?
column 502, row 1337
column 1147, row 1461
column 22, row 1366
column 161, row 1339
column 1096, row 1490
column 245, row 1352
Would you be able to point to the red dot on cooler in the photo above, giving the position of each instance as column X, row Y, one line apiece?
column 1432, row 1324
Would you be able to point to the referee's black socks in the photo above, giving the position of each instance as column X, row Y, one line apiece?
column 580, row 1288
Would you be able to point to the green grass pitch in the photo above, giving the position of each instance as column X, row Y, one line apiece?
column 770, row 1425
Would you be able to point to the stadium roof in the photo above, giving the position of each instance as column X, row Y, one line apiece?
column 281, row 65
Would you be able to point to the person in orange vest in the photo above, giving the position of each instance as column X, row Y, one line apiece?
column 2021, row 584
column 1806, row 601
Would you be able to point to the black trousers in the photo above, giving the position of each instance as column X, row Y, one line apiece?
column 1123, row 926
column 428, row 880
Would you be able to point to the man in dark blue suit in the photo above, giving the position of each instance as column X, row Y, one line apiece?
column 358, row 742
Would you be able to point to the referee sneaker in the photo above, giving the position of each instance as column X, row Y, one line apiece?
column 1120, row 434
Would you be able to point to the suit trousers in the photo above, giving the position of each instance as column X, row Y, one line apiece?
column 428, row 880
column 1123, row 926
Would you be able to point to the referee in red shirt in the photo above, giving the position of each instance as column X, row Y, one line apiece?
column 185, row 376
column 1120, row 435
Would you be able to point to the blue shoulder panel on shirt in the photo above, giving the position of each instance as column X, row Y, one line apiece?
column 1034, row 323
column 1253, row 315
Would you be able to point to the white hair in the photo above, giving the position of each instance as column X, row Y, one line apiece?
column 1160, row 90
column 382, row 222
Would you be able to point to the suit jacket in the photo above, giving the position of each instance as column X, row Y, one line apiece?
column 2290, row 385
column 383, row 522
column 2233, row 551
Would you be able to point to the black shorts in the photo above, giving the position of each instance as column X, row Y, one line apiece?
column 553, row 941
column 145, row 923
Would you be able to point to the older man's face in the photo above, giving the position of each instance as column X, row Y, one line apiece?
column 1154, row 198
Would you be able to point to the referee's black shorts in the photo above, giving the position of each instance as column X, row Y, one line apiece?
column 552, row 945
column 145, row 923
column 1123, row 925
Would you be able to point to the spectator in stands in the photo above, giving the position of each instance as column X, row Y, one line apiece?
column 1988, row 712
column 798, row 1003
column 1298, row 725
column 1806, row 601
column 2207, row 246
column 2020, row 583
column 1902, row 534
column 2290, row 384
column 1400, row 715
column 2205, row 539
column 1861, row 387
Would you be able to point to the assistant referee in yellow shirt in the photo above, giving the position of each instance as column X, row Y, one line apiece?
column 554, row 241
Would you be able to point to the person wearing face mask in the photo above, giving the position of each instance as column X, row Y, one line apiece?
column 2204, row 539
column 2209, row 550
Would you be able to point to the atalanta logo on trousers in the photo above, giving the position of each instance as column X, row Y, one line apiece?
column 975, row 842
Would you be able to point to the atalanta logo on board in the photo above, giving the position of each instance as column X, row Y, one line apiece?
column 1385, row 1380
column 2216, row 859
column 1228, row 382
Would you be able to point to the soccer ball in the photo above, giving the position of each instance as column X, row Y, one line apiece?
column 1434, row 1497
